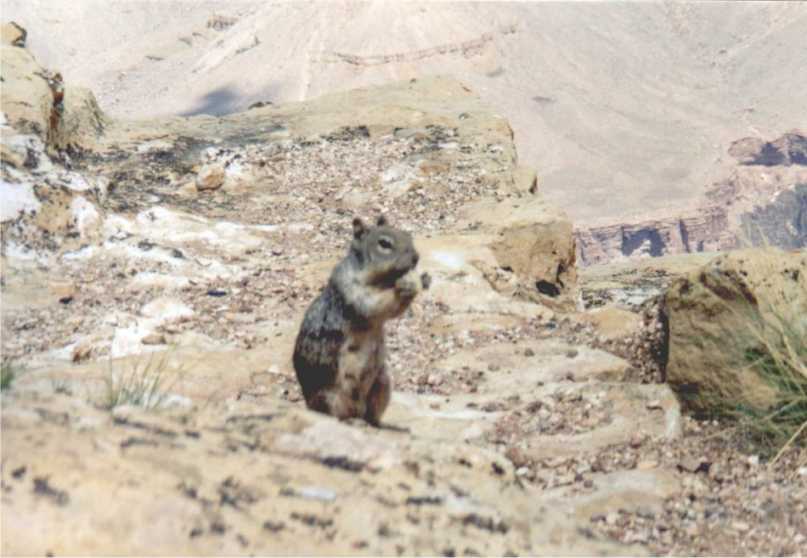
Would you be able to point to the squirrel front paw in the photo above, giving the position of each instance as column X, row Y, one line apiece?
column 407, row 286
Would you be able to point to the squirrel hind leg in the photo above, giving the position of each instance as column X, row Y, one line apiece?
column 333, row 403
column 378, row 399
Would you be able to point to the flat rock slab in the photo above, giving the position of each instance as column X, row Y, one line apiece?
column 243, row 479
column 516, row 369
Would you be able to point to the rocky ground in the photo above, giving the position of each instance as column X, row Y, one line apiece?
column 176, row 257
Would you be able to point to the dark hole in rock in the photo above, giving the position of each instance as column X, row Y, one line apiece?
column 547, row 288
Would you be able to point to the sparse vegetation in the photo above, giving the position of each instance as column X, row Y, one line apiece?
column 774, row 347
column 8, row 372
column 143, row 384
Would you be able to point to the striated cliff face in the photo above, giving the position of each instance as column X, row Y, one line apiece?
column 762, row 201
column 705, row 232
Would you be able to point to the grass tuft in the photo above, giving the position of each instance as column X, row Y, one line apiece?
column 8, row 372
column 142, row 385
column 775, row 348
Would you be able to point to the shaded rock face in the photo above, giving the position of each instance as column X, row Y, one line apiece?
column 718, row 313
column 790, row 149
column 782, row 222
column 156, row 320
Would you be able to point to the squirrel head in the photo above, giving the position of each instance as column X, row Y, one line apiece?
column 384, row 252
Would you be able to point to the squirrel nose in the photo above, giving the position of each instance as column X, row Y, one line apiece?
column 415, row 258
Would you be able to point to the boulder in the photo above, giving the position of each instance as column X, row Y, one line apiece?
column 81, row 120
column 36, row 101
column 210, row 177
column 721, row 315
column 27, row 94
column 534, row 241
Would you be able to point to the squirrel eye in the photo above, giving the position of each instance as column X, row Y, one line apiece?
column 385, row 243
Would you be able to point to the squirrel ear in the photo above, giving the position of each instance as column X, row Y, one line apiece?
column 358, row 228
column 382, row 221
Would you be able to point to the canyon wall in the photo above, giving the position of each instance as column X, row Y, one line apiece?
column 762, row 201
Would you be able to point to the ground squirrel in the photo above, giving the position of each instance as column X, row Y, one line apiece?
column 339, row 354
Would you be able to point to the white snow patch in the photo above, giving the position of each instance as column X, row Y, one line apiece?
column 15, row 198
column 78, row 183
column 155, row 145
column 115, row 224
column 158, row 223
column 127, row 340
column 234, row 170
column 16, row 251
column 84, row 214
column 81, row 254
column 161, row 280
column 133, row 252
column 266, row 228
column 451, row 260
column 164, row 310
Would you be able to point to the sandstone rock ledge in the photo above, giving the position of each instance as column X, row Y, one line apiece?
column 184, row 252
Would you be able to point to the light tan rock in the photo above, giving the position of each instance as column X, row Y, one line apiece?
column 210, row 177
column 82, row 121
column 27, row 96
column 533, row 240
column 612, row 322
column 36, row 101
column 464, row 268
column 12, row 34
column 153, row 339
column 716, row 314
column 526, row 180
column 63, row 291
column 319, row 492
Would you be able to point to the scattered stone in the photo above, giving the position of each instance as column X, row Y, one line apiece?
column 740, row 526
column 210, row 177
column 154, row 339
column 42, row 487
